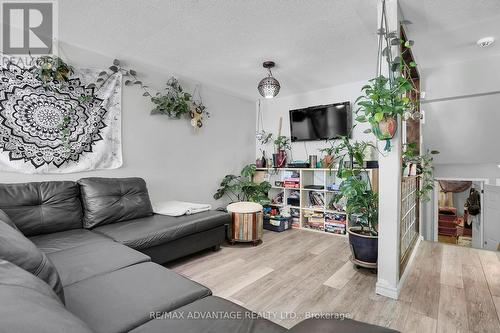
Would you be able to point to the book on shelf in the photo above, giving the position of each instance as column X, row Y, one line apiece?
column 335, row 230
column 316, row 199
column 291, row 179
column 290, row 184
column 315, row 225
column 335, row 224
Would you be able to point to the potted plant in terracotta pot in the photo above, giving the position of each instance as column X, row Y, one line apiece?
column 381, row 103
column 329, row 155
column 385, row 97
column 281, row 144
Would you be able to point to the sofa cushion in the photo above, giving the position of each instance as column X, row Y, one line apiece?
column 4, row 217
column 110, row 200
column 187, row 319
column 64, row 240
column 81, row 262
column 29, row 305
column 19, row 250
column 13, row 275
column 122, row 300
column 158, row 229
column 41, row 208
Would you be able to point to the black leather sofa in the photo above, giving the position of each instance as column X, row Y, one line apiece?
column 83, row 257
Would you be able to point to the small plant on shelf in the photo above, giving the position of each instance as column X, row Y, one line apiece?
column 282, row 143
column 329, row 154
column 242, row 188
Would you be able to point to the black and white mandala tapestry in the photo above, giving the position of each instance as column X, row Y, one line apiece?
column 32, row 118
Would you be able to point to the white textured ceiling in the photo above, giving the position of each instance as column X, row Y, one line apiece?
column 315, row 43
column 446, row 31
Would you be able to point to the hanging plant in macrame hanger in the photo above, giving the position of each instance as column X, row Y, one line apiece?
column 385, row 97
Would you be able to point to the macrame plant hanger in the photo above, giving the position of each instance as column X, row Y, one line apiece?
column 386, row 52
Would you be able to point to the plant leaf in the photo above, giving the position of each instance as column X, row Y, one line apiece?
column 379, row 116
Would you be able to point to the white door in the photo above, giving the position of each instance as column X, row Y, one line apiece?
column 491, row 220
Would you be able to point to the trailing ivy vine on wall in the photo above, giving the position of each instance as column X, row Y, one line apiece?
column 173, row 102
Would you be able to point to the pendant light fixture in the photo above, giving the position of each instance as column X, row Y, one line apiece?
column 269, row 87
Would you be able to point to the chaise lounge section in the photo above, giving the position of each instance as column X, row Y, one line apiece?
column 100, row 241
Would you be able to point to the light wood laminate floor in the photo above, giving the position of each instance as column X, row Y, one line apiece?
column 449, row 289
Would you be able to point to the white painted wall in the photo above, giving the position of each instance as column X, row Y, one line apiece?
column 273, row 109
column 461, row 78
column 176, row 162
column 465, row 129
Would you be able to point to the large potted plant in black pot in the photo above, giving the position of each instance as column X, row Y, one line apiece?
column 362, row 207
column 361, row 203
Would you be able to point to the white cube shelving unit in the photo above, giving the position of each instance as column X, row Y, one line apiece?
column 311, row 176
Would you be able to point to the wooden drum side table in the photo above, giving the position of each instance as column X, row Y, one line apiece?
column 247, row 222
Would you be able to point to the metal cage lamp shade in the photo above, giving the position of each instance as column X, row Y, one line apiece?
column 269, row 87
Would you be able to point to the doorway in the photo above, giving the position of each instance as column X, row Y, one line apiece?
column 491, row 228
column 459, row 212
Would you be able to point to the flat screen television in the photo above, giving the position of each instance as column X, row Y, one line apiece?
column 320, row 122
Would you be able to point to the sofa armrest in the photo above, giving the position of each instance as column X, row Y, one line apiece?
column 320, row 325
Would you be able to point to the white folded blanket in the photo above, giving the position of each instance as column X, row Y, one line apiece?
column 178, row 208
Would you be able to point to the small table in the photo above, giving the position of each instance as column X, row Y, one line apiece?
column 247, row 221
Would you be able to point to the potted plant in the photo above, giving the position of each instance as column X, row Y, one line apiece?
column 247, row 199
column 362, row 209
column 424, row 168
column 329, row 154
column 352, row 152
column 361, row 203
column 384, row 98
column 242, row 188
column 381, row 103
column 281, row 144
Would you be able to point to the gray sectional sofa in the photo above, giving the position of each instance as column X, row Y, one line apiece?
column 84, row 257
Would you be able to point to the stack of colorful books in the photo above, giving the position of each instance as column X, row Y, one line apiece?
column 335, row 223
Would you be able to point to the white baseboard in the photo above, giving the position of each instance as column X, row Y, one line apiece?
column 409, row 264
column 385, row 289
